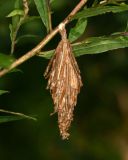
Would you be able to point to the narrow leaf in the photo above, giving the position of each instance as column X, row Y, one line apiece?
column 3, row 92
column 15, row 70
column 16, row 18
column 11, row 31
column 95, row 45
column 6, row 60
column 4, row 119
column 15, row 15
column 51, row 1
column 100, row 45
column 17, row 115
column 78, row 30
column 31, row 18
column 16, row 12
column 43, row 9
column 28, row 36
column 126, row 30
column 46, row 54
column 90, row 12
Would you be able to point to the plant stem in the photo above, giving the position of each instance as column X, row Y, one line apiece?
column 49, row 16
column 36, row 49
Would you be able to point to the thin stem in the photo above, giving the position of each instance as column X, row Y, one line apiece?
column 36, row 49
column 49, row 16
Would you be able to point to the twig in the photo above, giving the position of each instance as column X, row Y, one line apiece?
column 36, row 49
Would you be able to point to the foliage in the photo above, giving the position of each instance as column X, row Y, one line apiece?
column 27, row 28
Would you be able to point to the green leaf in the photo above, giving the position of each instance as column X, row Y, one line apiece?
column 101, row 44
column 17, row 4
column 51, row 1
column 6, row 60
column 16, row 18
column 11, row 31
column 43, row 9
column 78, row 30
column 126, row 29
column 3, row 92
column 31, row 18
column 15, row 70
column 95, row 3
column 95, row 45
column 13, row 116
column 90, row 12
column 16, row 12
column 46, row 54
column 4, row 119
column 28, row 36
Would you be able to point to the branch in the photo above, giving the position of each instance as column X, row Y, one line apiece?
column 36, row 49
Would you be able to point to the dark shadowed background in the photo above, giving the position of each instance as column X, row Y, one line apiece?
column 100, row 127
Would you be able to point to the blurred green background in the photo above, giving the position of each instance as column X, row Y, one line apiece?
column 99, row 130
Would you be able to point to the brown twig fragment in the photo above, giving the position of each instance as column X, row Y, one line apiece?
column 35, row 50
column 26, row 8
column 64, row 82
